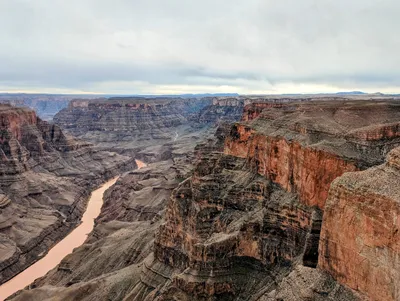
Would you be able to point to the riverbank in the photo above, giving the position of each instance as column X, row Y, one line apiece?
column 66, row 246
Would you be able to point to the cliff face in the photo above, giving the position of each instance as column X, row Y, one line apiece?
column 125, row 114
column 116, row 119
column 360, row 242
column 45, row 105
column 253, row 110
column 221, row 110
column 130, row 125
column 116, row 262
column 304, row 147
column 45, row 180
column 226, row 220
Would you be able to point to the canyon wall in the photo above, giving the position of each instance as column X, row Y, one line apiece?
column 227, row 227
column 45, row 105
column 45, row 180
column 304, row 147
column 132, row 125
column 360, row 242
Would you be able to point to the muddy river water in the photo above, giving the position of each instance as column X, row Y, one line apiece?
column 73, row 240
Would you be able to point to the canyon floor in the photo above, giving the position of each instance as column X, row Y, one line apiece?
column 264, row 199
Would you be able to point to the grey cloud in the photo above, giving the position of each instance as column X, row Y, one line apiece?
column 251, row 45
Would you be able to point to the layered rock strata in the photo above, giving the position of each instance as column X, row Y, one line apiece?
column 138, row 126
column 304, row 146
column 226, row 225
column 45, row 180
column 116, row 262
column 245, row 223
column 360, row 241
column 45, row 105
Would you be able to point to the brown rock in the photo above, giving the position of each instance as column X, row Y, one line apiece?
column 304, row 146
column 360, row 242
column 45, row 179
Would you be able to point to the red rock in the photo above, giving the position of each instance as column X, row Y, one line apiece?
column 304, row 146
column 360, row 239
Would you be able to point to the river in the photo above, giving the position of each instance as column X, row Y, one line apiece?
column 73, row 240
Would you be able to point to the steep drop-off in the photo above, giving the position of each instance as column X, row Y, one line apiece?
column 304, row 146
column 45, row 180
column 360, row 240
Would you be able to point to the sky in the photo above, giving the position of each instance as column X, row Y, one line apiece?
column 199, row 46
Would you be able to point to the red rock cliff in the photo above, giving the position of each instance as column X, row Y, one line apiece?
column 13, row 119
column 360, row 240
column 305, row 171
column 304, row 146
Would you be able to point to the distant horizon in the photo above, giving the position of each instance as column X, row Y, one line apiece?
column 340, row 93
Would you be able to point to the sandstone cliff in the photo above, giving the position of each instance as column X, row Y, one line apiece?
column 45, row 180
column 360, row 242
column 304, row 146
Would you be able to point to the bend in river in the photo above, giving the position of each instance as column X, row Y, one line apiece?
column 73, row 240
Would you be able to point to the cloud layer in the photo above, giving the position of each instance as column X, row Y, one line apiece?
column 181, row 46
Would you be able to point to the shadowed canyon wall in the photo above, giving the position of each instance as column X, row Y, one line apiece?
column 45, row 180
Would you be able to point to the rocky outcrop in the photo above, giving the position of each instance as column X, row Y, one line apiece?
column 253, row 110
column 360, row 242
column 226, row 220
column 304, row 284
column 132, row 122
column 45, row 180
column 304, row 146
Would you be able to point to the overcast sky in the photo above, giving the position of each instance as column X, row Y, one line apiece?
column 183, row 46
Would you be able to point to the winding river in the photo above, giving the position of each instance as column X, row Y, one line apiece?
column 73, row 240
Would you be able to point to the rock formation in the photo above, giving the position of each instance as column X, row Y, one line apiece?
column 45, row 105
column 139, row 126
column 360, row 241
column 45, row 180
column 115, row 262
column 240, row 218
column 304, row 146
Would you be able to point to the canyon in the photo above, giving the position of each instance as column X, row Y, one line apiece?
column 242, row 198
column 61, row 249
column 138, row 127
column 45, row 180
column 45, row 105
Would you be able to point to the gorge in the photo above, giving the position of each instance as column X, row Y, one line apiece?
column 242, row 198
